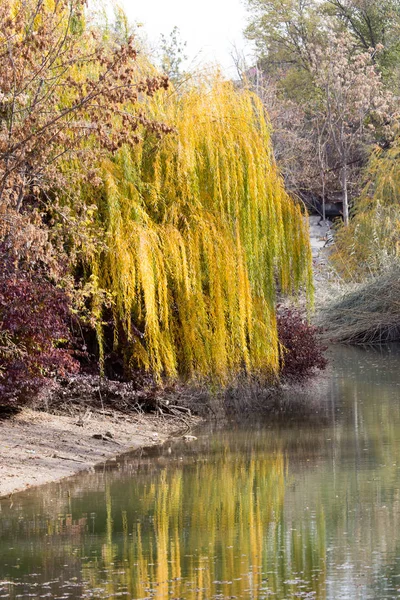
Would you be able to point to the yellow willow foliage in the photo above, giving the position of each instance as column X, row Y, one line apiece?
column 372, row 240
column 200, row 234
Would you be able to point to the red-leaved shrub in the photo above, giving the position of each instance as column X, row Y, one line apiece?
column 34, row 335
column 303, row 354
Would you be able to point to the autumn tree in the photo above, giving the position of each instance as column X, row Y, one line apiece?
column 65, row 95
column 353, row 102
column 371, row 244
column 329, row 114
column 283, row 31
column 201, row 236
column 373, row 24
column 68, row 99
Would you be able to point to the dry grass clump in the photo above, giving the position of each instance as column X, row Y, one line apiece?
column 368, row 315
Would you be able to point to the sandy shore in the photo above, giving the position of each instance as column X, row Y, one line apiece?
column 37, row 447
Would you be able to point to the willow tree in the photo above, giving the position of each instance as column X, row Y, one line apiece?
column 372, row 242
column 200, row 236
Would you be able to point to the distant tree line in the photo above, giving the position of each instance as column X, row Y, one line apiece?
column 329, row 75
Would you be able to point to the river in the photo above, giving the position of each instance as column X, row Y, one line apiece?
column 302, row 508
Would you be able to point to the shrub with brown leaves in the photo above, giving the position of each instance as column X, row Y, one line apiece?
column 303, row 353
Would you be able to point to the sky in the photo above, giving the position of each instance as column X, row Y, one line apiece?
column 211, row 28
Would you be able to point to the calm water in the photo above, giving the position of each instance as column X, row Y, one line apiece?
column 306, row 510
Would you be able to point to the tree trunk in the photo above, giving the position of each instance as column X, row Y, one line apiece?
column 345, row 195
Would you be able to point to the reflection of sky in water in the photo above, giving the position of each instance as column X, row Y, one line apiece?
column 308, row 509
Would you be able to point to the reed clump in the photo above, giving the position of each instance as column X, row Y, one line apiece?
column 366, row 253
column 368, row 315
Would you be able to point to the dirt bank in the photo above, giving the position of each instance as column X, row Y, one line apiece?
column 37, row 447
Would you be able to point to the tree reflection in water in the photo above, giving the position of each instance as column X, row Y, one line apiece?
column 303, row 510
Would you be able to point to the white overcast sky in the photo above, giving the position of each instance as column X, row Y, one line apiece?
column 210, row 27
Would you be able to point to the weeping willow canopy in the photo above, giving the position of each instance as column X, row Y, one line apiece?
column 371, row 242
column 200, row 235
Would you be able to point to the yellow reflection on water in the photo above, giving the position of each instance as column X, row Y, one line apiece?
column 216, row 530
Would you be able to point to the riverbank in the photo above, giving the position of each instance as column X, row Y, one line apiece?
column 37, row 447
column 47, row 445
